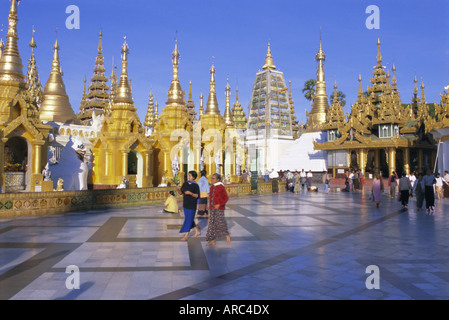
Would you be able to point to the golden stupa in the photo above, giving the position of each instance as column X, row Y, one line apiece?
column 122, row 150
column 320, row 104
column 56, row 105
column 172, row 132
column 23, row 138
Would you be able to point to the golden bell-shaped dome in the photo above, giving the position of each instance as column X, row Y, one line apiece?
column 56, row 105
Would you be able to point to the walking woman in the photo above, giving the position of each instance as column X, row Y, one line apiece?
column 418, row 190
column 404, row 188
column 217, row 226
column 190, row 192
column 429, row 193
column 297, row 182
column 378, row 188
column 203, row 183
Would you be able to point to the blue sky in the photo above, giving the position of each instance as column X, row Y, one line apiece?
column 413, row 34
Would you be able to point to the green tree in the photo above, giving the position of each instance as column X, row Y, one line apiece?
column 340, row 96
column 309, row 89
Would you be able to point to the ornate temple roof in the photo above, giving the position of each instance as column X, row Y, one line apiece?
column 378, row 119
column 97, row 99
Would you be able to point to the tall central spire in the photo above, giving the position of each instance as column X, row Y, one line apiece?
column 123, row 92
column 212, row 103
column 269, row 63
column 175, row 93
column 228, row 115
column 320, row 104
column 11, row 63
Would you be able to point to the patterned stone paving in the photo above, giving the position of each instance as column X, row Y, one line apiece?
column 284, row 247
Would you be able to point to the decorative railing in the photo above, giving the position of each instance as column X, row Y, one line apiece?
column 18, row 204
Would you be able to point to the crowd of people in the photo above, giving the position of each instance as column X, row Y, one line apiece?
column 425, row 187
column 202, row 199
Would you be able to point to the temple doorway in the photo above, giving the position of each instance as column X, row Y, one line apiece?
column 135, row 169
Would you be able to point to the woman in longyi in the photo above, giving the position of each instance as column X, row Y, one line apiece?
column 217, row 226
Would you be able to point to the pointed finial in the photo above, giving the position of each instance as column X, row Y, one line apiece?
column 33, row 42
column 360, row 93
column 335, row 92
column 379, row 55
column 269, row 63
column 100, row 43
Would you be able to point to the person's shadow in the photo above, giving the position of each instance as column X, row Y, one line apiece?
column 74, row 293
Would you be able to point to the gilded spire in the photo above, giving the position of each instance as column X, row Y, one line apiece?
column 150, row 119
column 228, row 114
column 123, row 92
column 335, row 91
column 175, row 93
column 212, row 103
column 360, row 93
column 379, row 55
column 201, row 104
column 269, row 64
column 320, row 104
column 56, row 106
column 33, row 82
column 238, row 116
column 11, row 63
column 97, row 100
column 423, row 95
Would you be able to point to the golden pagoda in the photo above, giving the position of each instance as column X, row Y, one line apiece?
column 320, row 104
column 212, row 125
column 122, row 149
column 238, row 115
column 23, row 138
column 55, row 105
column 97, row 100
column 380, row 134
column 150, row 117
column 174, row 120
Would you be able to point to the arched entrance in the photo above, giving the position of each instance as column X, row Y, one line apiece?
column 17, row 165
column 135, row 169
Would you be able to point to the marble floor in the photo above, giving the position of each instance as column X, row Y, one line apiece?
column 284, row 247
